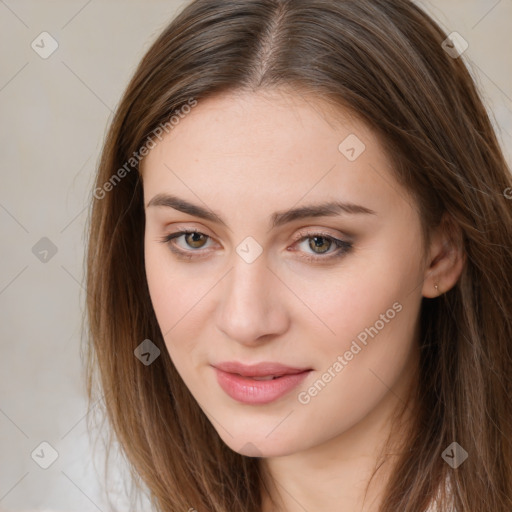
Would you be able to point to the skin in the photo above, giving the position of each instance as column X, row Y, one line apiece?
column 246, row 156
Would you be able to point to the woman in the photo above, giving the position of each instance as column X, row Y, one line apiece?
column 299, row 265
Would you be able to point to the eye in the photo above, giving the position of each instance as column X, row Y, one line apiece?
column 319, row 243
column 193, row 238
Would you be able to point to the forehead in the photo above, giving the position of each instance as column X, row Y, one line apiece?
column 274, row 120
column 258, row 148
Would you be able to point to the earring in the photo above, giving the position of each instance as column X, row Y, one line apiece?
column 437, row 289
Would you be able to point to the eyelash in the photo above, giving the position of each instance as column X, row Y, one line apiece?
column 342, row 246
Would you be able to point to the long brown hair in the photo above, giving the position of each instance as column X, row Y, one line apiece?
column 385, row 62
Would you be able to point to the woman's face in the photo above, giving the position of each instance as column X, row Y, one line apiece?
column 257, row 284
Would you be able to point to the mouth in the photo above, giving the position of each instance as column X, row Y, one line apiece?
column 266, row 377
column 270, row 377
column 259, row 384
column 266, row 369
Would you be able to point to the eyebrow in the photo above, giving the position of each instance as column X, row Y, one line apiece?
column 327, row 209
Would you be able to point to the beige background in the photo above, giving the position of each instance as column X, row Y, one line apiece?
column 54, row 113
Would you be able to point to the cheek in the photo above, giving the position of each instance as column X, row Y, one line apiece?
column 371, row 350
column 370, row 362
column 178, row 297
column 160, row 283
column 167, row 288
column 352, row 298
column 371, row 307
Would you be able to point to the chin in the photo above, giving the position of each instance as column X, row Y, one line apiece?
column 258, row 445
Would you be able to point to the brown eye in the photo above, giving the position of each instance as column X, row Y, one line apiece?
column 317, row 247
column 316, row 243
column 195, row 239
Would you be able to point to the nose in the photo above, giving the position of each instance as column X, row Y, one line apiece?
column 252, row 305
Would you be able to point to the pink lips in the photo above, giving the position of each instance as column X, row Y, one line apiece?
column 237, row 380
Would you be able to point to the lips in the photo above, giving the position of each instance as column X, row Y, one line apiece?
column 258, row 384
column 263, row 370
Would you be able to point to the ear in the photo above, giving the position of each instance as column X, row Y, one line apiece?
column 445, row 258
